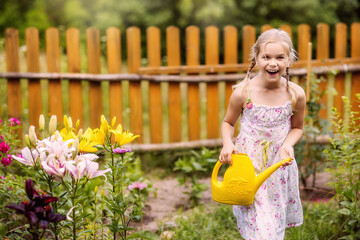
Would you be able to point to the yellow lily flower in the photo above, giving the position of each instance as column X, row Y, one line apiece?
column 123, row 137
column 86, row 144
column 98, row 136
column 104, row 125
column 67, row 134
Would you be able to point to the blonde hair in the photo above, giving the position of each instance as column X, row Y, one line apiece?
column 271, row 36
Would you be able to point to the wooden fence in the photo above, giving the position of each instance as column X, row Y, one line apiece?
column 179, row 102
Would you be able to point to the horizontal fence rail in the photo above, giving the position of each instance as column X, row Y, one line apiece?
column 168, row 105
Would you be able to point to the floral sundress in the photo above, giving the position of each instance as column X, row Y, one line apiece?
column 277, row 203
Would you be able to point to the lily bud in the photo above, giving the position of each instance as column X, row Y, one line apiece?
column 80, row 133
column 66, row 123
column 96, row 190
column 104, row 125
column 76, row 147
column 41, row 123
column 52, row 124
column 70, row 122
column 102, row 194
column 27, row 141
column 57, row 135
column 32, row 135
column 113, row 121
column 77, row 124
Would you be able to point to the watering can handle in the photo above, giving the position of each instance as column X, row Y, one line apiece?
column 215, row 173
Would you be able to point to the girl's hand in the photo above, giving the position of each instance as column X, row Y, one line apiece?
column 225, row 154
column 287, row 151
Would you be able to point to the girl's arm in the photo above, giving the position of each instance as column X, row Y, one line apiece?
column 227, row 128
column 297, row 124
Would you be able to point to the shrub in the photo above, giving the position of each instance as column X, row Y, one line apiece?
column 343, row 163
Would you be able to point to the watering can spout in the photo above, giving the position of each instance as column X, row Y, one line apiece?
column 260, row 179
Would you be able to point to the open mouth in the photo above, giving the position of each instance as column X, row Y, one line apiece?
column 272, row 71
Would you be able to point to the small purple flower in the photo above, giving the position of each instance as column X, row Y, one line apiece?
column 1, row 137
column 137, row 185
column 14, row 121
column 6, row 160
column 0, row 121
column 4, row 147
column 121, row 150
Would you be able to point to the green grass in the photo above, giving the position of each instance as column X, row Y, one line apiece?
column 216, row 221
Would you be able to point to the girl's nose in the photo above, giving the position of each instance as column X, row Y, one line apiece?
column 272, row 62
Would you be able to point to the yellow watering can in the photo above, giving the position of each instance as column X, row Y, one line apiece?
column 240, row 183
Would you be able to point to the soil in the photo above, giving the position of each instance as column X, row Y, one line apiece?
column 160, row 211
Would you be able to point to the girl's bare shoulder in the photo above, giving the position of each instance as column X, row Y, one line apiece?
column 239, row 94
column 299, row 90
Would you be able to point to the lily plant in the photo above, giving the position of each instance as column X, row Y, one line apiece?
column 68, row 158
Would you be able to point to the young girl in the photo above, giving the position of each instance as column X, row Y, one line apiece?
column 272, row 113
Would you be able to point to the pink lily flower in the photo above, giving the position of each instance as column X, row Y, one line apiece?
column 28, row 158
column 92, row 170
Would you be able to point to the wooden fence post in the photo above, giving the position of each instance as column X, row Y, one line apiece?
column 113, row 41
column 248, row 40
column 322, row 53
column 265, row 27
column 212, row 96
column 33, row 65
column 173, row 58
column 193, row 59
column 230, row 56
column 287, row 28
column 303, row 39
column 53, row 66
column 155, row 106
column 12, row 65
column 135, row 99
column 74, row 66
column 355, row 53
column 340, row 53
column 93, row 58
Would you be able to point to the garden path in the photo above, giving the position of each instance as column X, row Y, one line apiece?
column 170, row 197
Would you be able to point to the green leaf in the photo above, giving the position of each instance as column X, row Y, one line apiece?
column 345, row 211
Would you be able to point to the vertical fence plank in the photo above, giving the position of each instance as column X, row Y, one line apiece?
column 287, row 28
column 248, row 40
column 113, row 42
column 212, row 96
column 322, row 53
column 53, row 65
column 173, row 58
column 93, row 59
column 303, row 40
column 230, row 56
column 155, row 107
column 33, row 65
column 74, row 66
column 134, row 62
column 355, row 53
column 193, row 59
column 322, row 41
column 265, row 27
column 340, row 52
column 12, row 65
